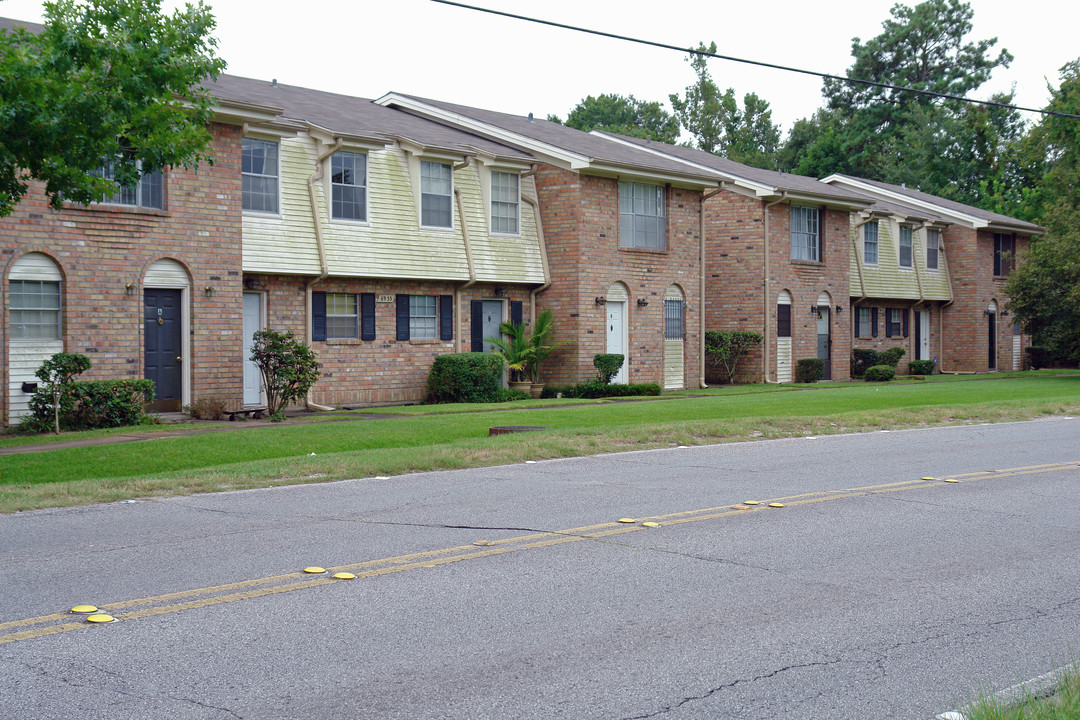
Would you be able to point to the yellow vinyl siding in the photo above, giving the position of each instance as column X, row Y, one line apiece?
column 886, row 279
column 390, row 244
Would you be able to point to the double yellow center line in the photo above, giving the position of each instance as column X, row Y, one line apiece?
column 25, row 629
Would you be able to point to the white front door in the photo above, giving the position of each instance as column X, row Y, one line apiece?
column 924, row 337
column 253, row 321
column 616, row 336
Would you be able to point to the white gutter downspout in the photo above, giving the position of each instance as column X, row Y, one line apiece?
column 765, row 286
column 468, row 257
column 543, row 248
column 701, row 285
column 323, row 268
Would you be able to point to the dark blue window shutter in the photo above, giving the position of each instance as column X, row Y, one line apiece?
column 821, row 233
column 477, row 326
column 516, row 311
column 446, row 317
column 318, row 316
column 402, row 317
column 367, row 316
column 873, row 322
column 905, row 322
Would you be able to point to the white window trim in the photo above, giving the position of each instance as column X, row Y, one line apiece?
column 877, row 241
column 899, row 248
column 355, row 316
column 491, row 201
column 816, row 235
column 630, row 243
column 329, row 179
column 926, row 250
column 420, row 195
column 138, row 194
column 262, row 213
column 414, row 316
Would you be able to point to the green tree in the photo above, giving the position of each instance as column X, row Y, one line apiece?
column 719, row 125
column 625, row 116
column 920, row 47
column 1044, row 289
column 288, row 369
column 105, row 79
column 814, row 147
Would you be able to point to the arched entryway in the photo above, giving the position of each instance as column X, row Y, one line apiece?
column 617, row 342
column 35, row 328
column 674, row 338
column 991, row 333
column 783, row 337
column 824, row 332
column 166, row 338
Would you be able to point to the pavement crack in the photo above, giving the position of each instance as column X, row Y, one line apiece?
column 727, row 686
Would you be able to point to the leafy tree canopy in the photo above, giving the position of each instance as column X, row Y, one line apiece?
column 625, row 116
column 719, row 125
column 105, row 79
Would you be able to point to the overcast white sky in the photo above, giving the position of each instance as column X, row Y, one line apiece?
column 370, row 47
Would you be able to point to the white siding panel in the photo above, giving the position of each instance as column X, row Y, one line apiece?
column 35, row 266
column 286, row 244
column 1017, row 364
column 166, row 274
column 783, row 359
column 26, row 358
column 673, row 365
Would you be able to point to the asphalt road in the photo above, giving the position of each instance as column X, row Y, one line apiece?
column 513, row 592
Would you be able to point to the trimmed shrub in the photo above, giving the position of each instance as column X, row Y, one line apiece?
column 890, row 357
column 596, row 389
column 725, row 348
column 809, row 370
column 288, row 369
column 93, row 404
column 607, row 366
column 861, row 359
column 880, row 373
column 921, row 367
column 471, row 377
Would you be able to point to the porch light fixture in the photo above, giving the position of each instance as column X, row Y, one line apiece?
column 209, row 290
column 838, row 309
column 601, row 301
column 500, row 292
column 253, row 284
column 130, row 288
column 813, row 309
column 1004, row 313
column 642, row 302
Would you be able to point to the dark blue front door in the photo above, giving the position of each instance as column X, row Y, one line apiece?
column 162, row 345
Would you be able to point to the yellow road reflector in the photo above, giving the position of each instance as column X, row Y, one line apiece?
column 84, row 609
column 627, row 520
column 650, row 524
column 344, row 576
column 751, row 502
column 951, row 480
column 929, row 478
column 100, row 618
column 777, row 505
column 314, row 570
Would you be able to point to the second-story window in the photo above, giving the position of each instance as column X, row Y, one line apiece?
column 145, row 193
column 348, row 182
column 259, row 170
column 505, row 199
column 436, row 187
column 805, row 235
column 641, row 216
column 905, row 246
column 1003, row 254
column 933, row 245
column 870, row 242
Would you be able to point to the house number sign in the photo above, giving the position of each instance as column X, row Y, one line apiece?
column 384, row 298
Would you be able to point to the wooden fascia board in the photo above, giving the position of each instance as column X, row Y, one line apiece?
column 971, row 220
column 561, row 157
column 233, row 112
column 832, row 203
column 633, row 173
column 431, row 151
column 365, row 142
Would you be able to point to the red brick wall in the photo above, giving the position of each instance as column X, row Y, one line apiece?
column 102, row 248
column 384, row 370
column 735, row 279
column 581, row 226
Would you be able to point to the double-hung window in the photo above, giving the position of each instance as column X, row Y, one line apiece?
column 436, row 186
column 870, row 242
column 905, row 246
column 1003, row 252
column 34, row 308
column 863, row 324
column 259, row 174
column 423, row 317
column 642, row 221
column 505, row 201
column 348, row 183
column 933, row 245
column 147, row 192
column 342, row 318
column 805, row 234
column 893, row 322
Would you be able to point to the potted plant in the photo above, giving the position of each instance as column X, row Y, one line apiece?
column 514, row 348
column 540, row 341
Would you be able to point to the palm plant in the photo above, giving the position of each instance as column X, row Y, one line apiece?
column 513, row 347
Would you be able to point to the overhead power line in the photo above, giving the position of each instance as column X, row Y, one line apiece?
column 774, row 66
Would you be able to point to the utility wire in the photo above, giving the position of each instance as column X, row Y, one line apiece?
column 759, row 63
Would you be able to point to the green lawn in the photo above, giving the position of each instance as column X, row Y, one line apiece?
column 455, row 436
